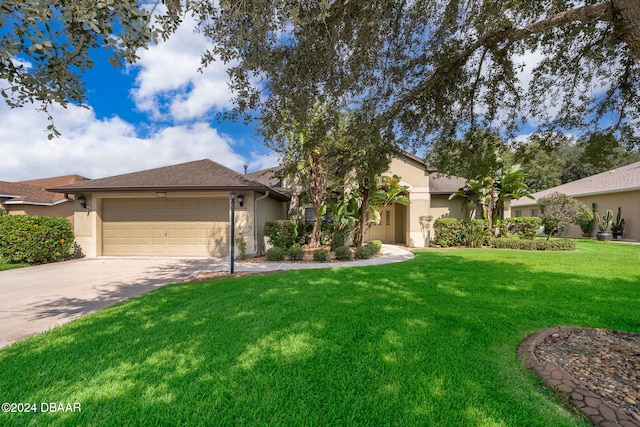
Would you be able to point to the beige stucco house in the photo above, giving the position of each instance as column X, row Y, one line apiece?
column 428, row 194
column 618, row 187
column 184, row 210
column 179, row 210
column 31, row 198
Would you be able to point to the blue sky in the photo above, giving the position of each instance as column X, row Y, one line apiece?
column 158, row 112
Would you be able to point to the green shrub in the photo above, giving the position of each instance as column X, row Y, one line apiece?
column 275, row 254
column 364, row 252
column 295, row 253
column 282, row 233
column 525, row 227
column 377, row 245
column 477, row 232
column 321, row 255
column 449, row 232
column 35, row 239
column 462, row 232
column 343, row 253
column 535, row 244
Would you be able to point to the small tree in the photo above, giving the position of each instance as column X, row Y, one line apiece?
column 558, row 209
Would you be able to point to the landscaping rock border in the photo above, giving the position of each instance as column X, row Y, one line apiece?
column 576, row 393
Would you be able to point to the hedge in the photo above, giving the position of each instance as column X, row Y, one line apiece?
column 461, row 232
column 295, row 253
column 35, row 239
column 535, row 244
column 525, row 227
column 282, row 233
column 321, row 255
column 275, row 254
column 343, row 253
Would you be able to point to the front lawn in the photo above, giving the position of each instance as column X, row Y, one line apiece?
column 431, row 341
column 6, row 266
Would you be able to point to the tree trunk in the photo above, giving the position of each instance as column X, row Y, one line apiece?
column 627, row 23
column 318, row 199
column 359, row 236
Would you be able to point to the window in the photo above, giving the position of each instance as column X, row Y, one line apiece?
column 518, row 213
column 534, row 212
column 388, row 217
column 309, row 215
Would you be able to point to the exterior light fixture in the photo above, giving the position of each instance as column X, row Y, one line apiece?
column 83, row 202
column 240, row 201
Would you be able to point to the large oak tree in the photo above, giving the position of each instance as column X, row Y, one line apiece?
column 429, row 69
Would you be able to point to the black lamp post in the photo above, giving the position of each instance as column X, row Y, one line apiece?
column 233, row 228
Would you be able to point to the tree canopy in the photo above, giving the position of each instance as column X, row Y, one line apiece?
column 429, row 69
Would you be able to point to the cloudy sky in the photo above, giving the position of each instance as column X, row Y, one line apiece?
column 158, row 112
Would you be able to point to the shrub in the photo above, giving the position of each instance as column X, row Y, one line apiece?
column 377, row 245
column 321, row 255
column 364, row 252
column 343, row 253
column 525, row 227
column 477, row 232
column 535, row 244
column 449, row 232
column 35, row 239
column 295, row 253
column 282, row 233
column 275, row 254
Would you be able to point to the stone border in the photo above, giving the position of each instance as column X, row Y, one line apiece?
column 560, row 381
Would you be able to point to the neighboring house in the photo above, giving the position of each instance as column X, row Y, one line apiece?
column 180, row 210
column 618, row 187
column 31, row 198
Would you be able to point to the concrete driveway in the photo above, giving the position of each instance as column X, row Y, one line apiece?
column 35, row 299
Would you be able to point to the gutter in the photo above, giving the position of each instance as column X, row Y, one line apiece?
column 255, row 222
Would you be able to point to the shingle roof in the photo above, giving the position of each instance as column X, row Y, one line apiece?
column 202, row 174
column 444, row 184
column 33, row 191
column 625, row 178
column 267, row 176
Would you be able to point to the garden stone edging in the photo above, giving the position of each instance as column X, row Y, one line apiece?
column 560, row 381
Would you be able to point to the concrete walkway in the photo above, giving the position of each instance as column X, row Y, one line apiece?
column 35, row 299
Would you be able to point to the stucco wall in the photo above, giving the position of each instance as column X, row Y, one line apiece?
column 267, row 209
column 62, row 210
column 629, row 201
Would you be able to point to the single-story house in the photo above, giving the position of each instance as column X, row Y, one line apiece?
column 179, row 210
column 184, row 209
column 31, row 198
column 428, row 194
column 609, row 190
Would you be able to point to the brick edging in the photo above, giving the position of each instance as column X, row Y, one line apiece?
column 557, row 379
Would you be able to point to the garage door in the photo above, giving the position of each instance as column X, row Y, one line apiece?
column 165, row 227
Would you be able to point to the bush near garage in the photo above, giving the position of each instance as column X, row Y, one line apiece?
column 275, row 254
column 343, row 253
column 35, row 239
column 282, row 233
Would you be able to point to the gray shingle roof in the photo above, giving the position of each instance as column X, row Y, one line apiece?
column 202, row 174
column 444, row 184
column 625, row 178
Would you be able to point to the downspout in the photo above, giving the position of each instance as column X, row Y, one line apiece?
column 255, row 222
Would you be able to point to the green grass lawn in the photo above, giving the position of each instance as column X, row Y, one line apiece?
column 5, row 266
column 431, row 341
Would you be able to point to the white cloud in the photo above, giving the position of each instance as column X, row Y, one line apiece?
column 97, row 148
column 168, row 84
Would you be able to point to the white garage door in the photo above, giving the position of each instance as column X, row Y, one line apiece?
column 165, row 227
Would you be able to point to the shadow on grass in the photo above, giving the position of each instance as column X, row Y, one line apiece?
column 427, row 342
